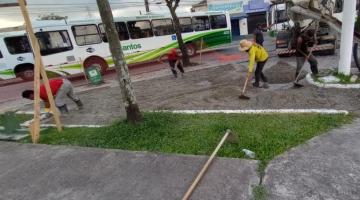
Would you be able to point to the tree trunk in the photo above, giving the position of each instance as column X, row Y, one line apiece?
column 185, row 56
column 127, row 91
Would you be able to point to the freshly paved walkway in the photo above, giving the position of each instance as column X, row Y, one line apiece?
column 44, row 172
column 326, row 167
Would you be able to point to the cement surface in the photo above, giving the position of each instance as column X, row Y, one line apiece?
column 44, row 172
column 326, row 167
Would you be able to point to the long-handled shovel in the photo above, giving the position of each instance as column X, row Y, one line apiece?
column 228, row 136
column 296, row 84
column 242, row 96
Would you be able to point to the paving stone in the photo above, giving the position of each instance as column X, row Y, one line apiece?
column 326, row 167
column 45, row 172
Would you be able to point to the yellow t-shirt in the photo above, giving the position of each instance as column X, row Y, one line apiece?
column 257, row 53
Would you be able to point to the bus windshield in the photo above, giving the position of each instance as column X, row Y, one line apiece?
column 17, row 44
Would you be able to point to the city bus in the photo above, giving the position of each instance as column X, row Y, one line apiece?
column 69, row 46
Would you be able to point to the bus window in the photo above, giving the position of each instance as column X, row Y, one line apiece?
column 102, row 33
column 86, row 34
column 139, row 29
column 218, row 21
column 18, row 44
column 201, row 23
column 163, row 27
column 1, row 56
column 121, row 29
column 185, row 24
column 54, row 42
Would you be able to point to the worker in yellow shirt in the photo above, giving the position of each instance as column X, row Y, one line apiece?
column 259, row 55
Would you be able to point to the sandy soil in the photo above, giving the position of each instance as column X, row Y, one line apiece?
column 213, row 88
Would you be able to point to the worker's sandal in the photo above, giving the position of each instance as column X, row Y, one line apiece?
column 79, row 104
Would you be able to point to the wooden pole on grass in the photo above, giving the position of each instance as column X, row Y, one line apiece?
column 50, row 97
column 35, row 132
column 201, row 47
column 83, row 70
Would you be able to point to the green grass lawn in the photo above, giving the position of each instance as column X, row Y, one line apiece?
column 267, row 135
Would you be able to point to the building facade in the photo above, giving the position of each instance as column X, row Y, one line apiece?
column 199, row 7
column 245, row 14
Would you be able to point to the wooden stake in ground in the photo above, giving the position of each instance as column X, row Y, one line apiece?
column 83, row 70
column 127, row 91
column 201, row 48
column 38, row 69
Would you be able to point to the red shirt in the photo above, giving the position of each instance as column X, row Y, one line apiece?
column 55, row 85
column 172, row 55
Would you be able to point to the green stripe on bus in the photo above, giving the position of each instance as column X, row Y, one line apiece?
column 211, row 39
column 8, row 72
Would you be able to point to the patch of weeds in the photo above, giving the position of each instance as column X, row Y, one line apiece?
column 317, row 79
column 21, row 118
column 344, row 79
column 259, row 193
column 261, row 169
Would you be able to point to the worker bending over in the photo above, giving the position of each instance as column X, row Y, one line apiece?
column 60, row 88
column 259, row 55
column 303, row 41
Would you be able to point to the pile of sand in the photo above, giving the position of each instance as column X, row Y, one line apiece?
column 281, row 73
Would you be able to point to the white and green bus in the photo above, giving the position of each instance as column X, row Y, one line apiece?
column 67, row 46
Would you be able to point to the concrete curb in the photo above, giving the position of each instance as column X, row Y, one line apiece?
column 265, row 111
column 27, row 124
column 310, row 80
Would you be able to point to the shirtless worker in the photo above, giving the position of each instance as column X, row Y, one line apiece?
column 60, row 88
column 302, row 53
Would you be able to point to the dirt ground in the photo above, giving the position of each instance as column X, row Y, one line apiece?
column 213, row 88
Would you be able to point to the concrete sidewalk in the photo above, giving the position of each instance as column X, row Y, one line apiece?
column 326, row 167
column 44, row 172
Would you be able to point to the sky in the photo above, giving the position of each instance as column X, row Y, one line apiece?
column 82, row 9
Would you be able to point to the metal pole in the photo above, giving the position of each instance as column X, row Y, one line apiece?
column 347, row 36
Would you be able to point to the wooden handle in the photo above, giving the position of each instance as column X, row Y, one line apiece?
column 246, row 82
column 306, row 58
column 205, row 167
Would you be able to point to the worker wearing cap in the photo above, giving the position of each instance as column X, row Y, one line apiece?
column 259, row 55
column 60, row 88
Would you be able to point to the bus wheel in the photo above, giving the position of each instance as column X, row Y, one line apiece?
column 99, row 62
column 191, row 49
